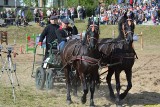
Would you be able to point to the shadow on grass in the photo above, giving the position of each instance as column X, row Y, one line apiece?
column 141, row 98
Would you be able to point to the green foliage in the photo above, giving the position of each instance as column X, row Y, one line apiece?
column 108, row 2
column 29, row 15
column 28, row 2
column 2, row 9
column 44, row 2
column 90, row 6
column 71, row 3
column 36, row 2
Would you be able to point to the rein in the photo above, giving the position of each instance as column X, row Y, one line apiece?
column 125, row 55
column 111, row 42
column 92, row 38
column 86, row 59
column 124, row 32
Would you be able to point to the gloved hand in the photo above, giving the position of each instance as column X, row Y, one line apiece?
column 68, row 38
column 40, row 43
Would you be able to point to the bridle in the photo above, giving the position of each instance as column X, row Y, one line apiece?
column 123, row 28
column 93, row 29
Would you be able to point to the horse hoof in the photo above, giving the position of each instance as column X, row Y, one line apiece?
column 83, row 100
column 97, row 86
column 117, row 100
column 92, row 104
column 122, row 96
column 69, row 102
column 118, row 105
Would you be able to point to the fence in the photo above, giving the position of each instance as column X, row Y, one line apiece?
column 30, row 42
column 141, row 39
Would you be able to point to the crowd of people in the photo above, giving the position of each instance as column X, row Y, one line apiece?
column 142, row 12
column 70, row 13
column 109, row 15
column 11, row 17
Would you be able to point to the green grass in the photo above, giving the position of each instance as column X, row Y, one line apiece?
column 25, row 98
column 150, row 33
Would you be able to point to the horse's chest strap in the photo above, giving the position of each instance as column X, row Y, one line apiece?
column 86, row 59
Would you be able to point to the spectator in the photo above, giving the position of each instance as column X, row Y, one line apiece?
column 48, row 13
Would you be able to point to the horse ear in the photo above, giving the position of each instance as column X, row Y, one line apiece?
column 125, row 15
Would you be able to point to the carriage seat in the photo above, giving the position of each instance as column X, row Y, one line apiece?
column 76, row 36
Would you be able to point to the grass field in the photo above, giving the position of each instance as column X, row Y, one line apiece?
column 28, row 96
column 150, row 33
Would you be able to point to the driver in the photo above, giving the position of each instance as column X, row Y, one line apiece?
column 49, row 33
column 65, row 32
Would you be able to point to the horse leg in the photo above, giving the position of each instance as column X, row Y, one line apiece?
column 68, row 85
column 129, row 86
column 85, row 89
column 92, row 89
column 108, row 79
column 118, row 86
column 75, row 84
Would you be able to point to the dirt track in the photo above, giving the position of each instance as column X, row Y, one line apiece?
column 145, row 90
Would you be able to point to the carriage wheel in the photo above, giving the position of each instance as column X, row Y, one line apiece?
column 40, row 78
column 50, row 78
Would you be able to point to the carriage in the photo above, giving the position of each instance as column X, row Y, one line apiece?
column 50, row 70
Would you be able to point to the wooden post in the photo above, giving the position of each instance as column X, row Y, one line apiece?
column 113, row 34
column 141, row 41
column 41, row 3
column 4, row 37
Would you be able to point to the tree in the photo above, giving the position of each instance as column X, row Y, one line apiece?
column 29, row 15
column 28, row 2
column 36, row 2
column 31, row 3
column 44, row 3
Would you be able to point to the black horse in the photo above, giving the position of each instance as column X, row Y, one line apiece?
column 82, row 57
column 119, row 55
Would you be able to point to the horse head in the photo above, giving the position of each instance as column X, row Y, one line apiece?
column 128, row 30
column 92, row 36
